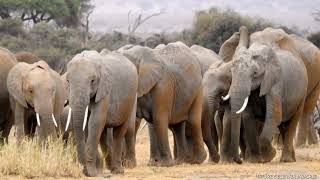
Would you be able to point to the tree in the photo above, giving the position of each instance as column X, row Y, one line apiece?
column 69, row 13
column 139, row 20
column 212, row 27
column 315, row 39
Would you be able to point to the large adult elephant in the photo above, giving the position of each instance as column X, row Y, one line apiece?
column 170, row 94
column 7, row 61
column 107, row 86
column 36, row 89
column 206, row 58
column 282, row 80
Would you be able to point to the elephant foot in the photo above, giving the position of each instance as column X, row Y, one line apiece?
column 253, row 158
column 153, row 161
column 288, row 156
column 268, row 153
column 162, row 163
column 198, row 157
column 90, row 171
column 214, row 158
column 129, row 163
column 108, row 162
column 117, row 170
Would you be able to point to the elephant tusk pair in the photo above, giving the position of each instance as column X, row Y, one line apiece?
column 53, row 119
column 245, row 103
column 85, row 119
column 68, row 119
column 225, row 97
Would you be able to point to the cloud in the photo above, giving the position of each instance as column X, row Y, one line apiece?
column 112, row 14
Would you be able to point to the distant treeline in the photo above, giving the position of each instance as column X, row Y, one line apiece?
column 51, row 41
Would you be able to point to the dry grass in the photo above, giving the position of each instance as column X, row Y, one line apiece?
column 30, row 160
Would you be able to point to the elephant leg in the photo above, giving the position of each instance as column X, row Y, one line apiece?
column 137, row 125
column 129, row 160
column 160, row 112
column 226, row 137
column 251, row 136
column 154, row 150
column 243, row 144
column 218, row 131
column 6, row 127
column 210, row 137
column 288, row 133
column 106, row 144
column 118, row 137
column 209, row 134
column 161, row 134
column 194, row 123
column 309, row 106
column 180, row 142
column 311, row 134
column 301, row 138
column 96, row 125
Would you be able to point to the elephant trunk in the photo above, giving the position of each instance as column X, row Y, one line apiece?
column 79, row 104
column 47, row 127
column 239, row 94
column 46, row 121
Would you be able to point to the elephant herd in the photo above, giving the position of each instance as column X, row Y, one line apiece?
column 259, row 84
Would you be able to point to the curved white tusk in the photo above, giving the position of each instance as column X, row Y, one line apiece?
column 144, row 125
column 68, row 120
column 85, row 119
column 245, row 103
column 38, row 119
column 225, row 97
column 54, row 120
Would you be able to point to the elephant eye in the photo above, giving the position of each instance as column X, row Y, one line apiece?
column 92, row 81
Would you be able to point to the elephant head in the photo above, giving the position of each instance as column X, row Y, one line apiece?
column 216, row 84
column 88, row 82
column 251, row 69
column 149, row 65
column 34, row 85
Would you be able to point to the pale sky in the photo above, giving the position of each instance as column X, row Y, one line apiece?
column 111, row 15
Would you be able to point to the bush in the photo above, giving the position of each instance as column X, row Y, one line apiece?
column 315, row 39
column 212, row 27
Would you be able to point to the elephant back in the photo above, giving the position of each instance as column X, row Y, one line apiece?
column 205, row 56
column 179, row 57
column 7, row 62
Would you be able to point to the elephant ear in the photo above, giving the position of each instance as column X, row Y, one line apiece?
column 272, row 70
column 149, row 65
column 41, row 64
column 228, row 48
column 104, row 86
column 15, row 82
column 151, row 69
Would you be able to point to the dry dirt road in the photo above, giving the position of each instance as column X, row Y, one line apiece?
column 306, row 167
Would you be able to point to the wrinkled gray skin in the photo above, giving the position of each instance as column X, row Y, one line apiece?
column 206, row 58
column 101, row 83
column 282, row 81
column 169, row 94
column 7, row 61
column 36, row 88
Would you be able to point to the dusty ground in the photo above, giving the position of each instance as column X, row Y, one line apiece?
column 308, row 163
